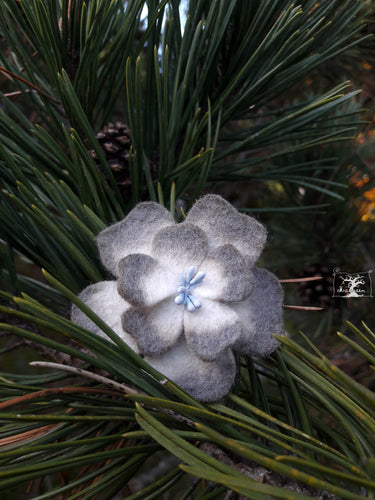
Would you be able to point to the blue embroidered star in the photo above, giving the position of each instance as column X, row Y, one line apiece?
column 187, row 285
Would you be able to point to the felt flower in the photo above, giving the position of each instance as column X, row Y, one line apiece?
column 186, row 295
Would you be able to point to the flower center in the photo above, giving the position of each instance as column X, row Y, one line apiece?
column 184, row 296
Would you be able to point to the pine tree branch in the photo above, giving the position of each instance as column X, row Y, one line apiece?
column 86, row 374
column 262, row 475
column 29, row 84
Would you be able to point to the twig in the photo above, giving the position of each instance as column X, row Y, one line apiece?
column 85, row 373
column 263, row 475
column 52, row 390
column 53, row 354
column 16, row 93
column 303, row 308
column 301, row 280
column 29, row 84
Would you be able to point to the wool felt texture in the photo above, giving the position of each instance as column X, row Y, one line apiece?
column 211, row 329
column 134, row 234
column 144, row 282
column 228, row 278
column 147, row 284
column 104, row 300
column 261, row 316
column 188, row 294
column 180, row 246
column 205, row 381
column 155, row 329
column 223, row 224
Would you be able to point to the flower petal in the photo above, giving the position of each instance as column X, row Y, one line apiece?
column 204, row 381
column 211, row 329
column 105, row 301
column 134, row 234
column 228, row 277
column 261, row 315
column 223, row 224
column 156, row 329
column 144, row 282
column 180, row 247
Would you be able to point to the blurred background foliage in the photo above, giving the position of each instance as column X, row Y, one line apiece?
column 107, row 103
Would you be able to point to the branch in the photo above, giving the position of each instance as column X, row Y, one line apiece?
column 301, row 280
column 29, row 84
column 303, row 308
column 263, row 475
column 53, row 354
column 86, row 374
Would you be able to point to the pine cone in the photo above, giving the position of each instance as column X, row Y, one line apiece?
column 317, row 293
column 115, row 141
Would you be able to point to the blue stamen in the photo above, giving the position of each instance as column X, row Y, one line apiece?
column 180, row 299
column 190, row 274
column 196, row 302
column 187, row 285
column 197, row 280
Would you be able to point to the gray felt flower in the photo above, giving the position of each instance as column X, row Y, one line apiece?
column 188, row 294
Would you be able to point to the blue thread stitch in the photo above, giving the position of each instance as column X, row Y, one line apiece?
column 187, row 285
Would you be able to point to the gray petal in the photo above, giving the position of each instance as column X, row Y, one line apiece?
column 228, row 276
column 155, row 329
column 204, row 381
column 143, row 282
column 104, row 300
column 180, row 246
column 211, row 329
column 261, row 315
column 223, row 224
column 134, row 234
